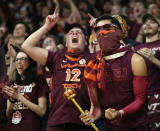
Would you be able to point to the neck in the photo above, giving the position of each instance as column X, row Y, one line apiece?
column 152, row 38
column 19, row 40
column 139, row 20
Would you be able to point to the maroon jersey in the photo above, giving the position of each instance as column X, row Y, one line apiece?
column 153, row 90
column 67, row 73
column 119, row 93
column 153, row 70
column 22, row 118
column 135, row 30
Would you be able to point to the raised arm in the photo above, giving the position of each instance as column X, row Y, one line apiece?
column 29, row 45
column 75, row 14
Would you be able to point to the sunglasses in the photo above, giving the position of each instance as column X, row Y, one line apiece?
column 21, row 59
column 105, row 27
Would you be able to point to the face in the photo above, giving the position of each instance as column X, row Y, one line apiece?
column 49, row 44
column 75, row 39
column 19, row 30
column 150, row 27
column 154, row 10
column 116, row 10
column 107, row 7
column 66, row 12
column 138, row 9
column 22, row 62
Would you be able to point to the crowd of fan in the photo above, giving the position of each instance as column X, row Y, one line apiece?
column 19, row 18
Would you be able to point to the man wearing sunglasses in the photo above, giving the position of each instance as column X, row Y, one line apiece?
column 116, row 79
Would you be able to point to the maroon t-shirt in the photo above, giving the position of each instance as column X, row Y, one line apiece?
column 153, row 70
column 153, row 90
column 22, row 118
column 67, row 73
column 119, row 93
column 135, row 30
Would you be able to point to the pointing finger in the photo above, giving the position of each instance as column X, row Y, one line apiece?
column 90, row 16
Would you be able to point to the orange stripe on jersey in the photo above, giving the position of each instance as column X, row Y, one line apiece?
column 71, row 58
column 90, row 76
column 92, row 65
column 51, row 87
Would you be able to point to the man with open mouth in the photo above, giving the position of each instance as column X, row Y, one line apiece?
column 67, row 69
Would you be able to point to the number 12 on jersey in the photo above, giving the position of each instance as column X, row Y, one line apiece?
column 72, row 75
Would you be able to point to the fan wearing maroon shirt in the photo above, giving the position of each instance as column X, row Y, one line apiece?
column 67, row 67
column 28, row 101
column 117, row 80
column 151, row 51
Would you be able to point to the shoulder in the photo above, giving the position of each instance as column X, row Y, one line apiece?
column 138, row 65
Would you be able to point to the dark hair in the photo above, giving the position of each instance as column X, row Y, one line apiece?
column 75, row 25
column 27, row 29
column 107, row 17
column 30, row 74
column 53, row 37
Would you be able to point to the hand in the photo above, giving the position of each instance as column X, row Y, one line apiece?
column 51, row 20
column 111, row 114
column 13, row 91
column 92, row 20
column 10, row 91
column 147, row 53
column 86, row 118
column 11, row 49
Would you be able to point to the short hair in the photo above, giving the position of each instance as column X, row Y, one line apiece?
column 27, row 29
column 107, row 17
column 75, row 25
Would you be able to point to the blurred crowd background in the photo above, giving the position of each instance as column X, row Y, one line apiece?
column 19, row 18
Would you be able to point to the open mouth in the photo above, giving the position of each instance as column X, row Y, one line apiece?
column 137, row 10
column 75, row 40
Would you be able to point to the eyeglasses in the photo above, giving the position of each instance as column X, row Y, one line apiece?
column 21, row 59
column 105, row 27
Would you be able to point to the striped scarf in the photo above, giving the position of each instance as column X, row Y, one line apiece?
column 95, row 71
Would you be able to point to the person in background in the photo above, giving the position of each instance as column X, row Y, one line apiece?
column 27, row 96
column 138, row 11
column 151, row 51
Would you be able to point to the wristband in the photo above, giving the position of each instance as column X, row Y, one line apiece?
column 119, row 114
